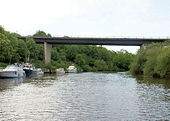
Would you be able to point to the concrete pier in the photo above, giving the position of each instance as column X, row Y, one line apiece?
column 143, row 46
column 47, row 51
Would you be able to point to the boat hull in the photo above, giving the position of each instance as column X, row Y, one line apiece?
column 12, row 74
column 72, row 71
column 29, row 72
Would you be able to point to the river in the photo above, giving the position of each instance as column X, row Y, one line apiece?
column 85, row 96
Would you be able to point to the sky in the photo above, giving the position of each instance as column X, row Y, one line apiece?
column 88, row 18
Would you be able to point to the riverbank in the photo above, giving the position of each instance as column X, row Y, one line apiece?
column 53, row 69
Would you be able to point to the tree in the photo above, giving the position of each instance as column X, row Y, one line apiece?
column 137, row 65
column 71, row 52
column 80, row 60
column 163, row 63
column 32, row 50
column 152, row 60
column 21, row 50
column 100, row 65
column 88, row 58
column 54, row 54
column 8, row 46
column 41, row 34
column 122, row 60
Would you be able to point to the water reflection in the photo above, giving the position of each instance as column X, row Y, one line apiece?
column 35, row 76
column 153, row 97
column 10, row 82
column 42, row 80
column 38, row 80
column 165, row 82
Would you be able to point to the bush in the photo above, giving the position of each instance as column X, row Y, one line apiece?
column 3, row 65
column 86, row 68
column 163, row 63
column 152, row 60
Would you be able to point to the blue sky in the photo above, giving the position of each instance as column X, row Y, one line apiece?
column 96, row 18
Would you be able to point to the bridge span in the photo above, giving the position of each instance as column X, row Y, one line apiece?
column 48, row 41
column 95, row 41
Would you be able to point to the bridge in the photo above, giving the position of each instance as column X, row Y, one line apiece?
column 48, row 41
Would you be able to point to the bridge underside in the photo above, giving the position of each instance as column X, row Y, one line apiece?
column 88, row 41
column 95, row 41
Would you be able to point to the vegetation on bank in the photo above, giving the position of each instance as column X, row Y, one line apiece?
column 152, row 60
column 86, row 58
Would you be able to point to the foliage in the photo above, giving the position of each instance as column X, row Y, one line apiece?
column 32, row 50
column 100, row 65
column 152, row 60
column 9, row 47
column 122, row 60
column 86, row 58
column 3, row 65
column 163, row 63
column 41, row 34
column 137, row 65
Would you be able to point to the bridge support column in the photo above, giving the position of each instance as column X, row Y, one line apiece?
column 141, row 46
column 47, row 51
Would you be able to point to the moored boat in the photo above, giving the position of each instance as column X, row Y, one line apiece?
column 29, row 69
column 12, row 71
column 72, row 69
column 60, row 71
column 40, row 71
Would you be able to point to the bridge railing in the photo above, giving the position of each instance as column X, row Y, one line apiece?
column 135, row 37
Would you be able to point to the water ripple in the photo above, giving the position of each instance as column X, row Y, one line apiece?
column 85, row 96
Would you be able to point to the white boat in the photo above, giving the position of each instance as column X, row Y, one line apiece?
column 29, row 69
column 72, row 69
column 60, row 71
column 39, row 71
column 12, row 71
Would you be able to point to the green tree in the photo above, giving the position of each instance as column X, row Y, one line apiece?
column 163, row 63
column 100, row 65
column 122, row 60
column 137, row 65
column 54, row 54
column 152, row 60
column 80, row 60
column 71, row 52
column 21, row 50
column 41, row 34
column 8, row 46
column 88, row 58
column 32, row 50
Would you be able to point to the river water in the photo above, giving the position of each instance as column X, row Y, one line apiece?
column 85, row 96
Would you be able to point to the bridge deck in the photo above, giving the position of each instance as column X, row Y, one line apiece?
column 95, row 41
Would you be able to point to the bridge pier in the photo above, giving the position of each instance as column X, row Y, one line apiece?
column 47, row 51
column 142, row 46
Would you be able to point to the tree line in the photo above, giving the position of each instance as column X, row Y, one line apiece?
column 152, row 60
column 84, row 57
